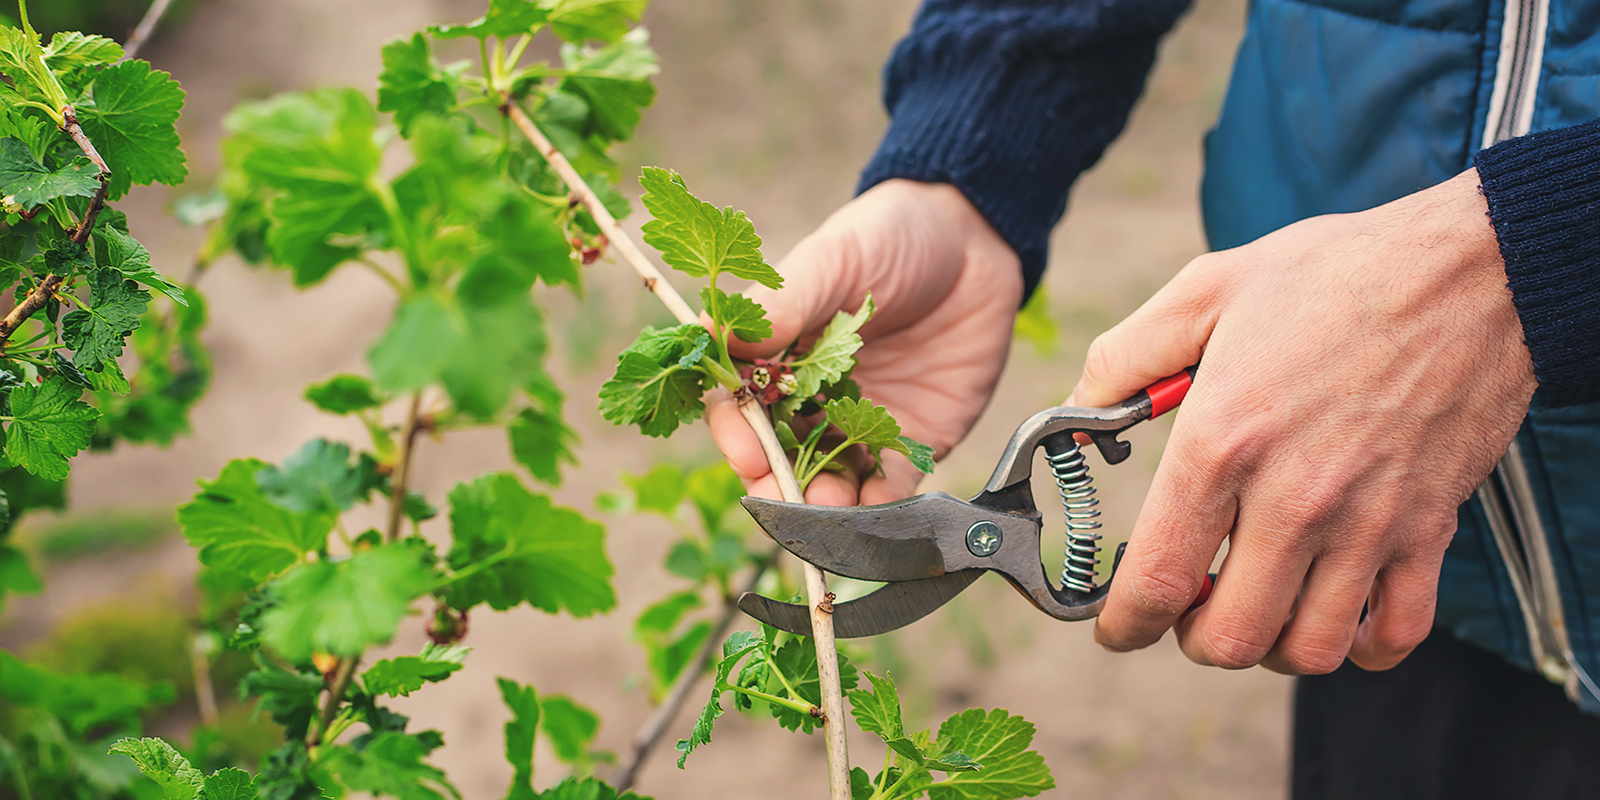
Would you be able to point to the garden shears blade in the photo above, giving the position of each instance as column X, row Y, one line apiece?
column 928, row 548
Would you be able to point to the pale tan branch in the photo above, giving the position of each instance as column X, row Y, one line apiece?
column 146, row 27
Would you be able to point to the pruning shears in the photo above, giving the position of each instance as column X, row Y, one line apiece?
column 930, row 547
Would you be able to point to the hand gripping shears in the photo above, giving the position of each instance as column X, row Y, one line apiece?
column 930, row 547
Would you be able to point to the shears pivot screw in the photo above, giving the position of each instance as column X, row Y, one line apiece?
column 983, row 538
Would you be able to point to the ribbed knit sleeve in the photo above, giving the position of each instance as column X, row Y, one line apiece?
column 1543, row 191
column 1010, row 100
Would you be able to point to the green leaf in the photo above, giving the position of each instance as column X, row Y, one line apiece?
column 288, row 697
column 661, row 617
column 660, row 490
column 418, row 344
column 505, row 19
column 412, row 82
column 614, row 81
column 581, row 20
column 715, row 490
column 318, row 155
column 73, row 51
column 573, row 788
column 1035, row 326
column 162, row 764
column 344, row 394
column 96, row 333
column 66, row 257
column 478, row 353
column 734, row 649
column 343, row 607
column 22, row 60
column 132, row 120
column 797, row 659
column 999, row 741
column 919, row 454
column 127, row 256
column 81, row 702
column 391, row 765
column 832, row 355
column 698, row 238
column 569, row 727
column 878, row 710
column 399, row 677
column 15, row 575
column 520, row 732
column 317, row 478
column 49, row 424
column 541, row 442
column 651, row 388
column 238, row 530
column 740, row 315
column 549, row 557
column 230, row 783
column 27, row 183
column 863, row 422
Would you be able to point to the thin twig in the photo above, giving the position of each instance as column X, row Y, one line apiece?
column 205, row 690
column 402, row 468
column 651, row 731
column 147, row 26
column 341, row 682
column 41, row 294
column 816, row 585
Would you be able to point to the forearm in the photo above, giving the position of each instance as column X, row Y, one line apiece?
column 1010, row 101
column 1543, row 192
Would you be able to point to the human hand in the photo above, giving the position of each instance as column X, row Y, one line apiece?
column 1362, row 374
column 947, row 288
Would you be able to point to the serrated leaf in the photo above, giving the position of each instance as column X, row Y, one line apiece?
column 317, row 478
column 417, row 345
column 479, row 354
column 343, row 607
column 999, row 741
column 832, row 355
column 49, row 425
column 70, row 50
column 698, row 238
column 132, row 120
column 162, row 764
column 541, row 442
column 613, row 81
column 230, row 783
column 22, row 60
column 66, row 257
column 582, row 20
column 734, row 649
column 570, row 727
column 316, row 153
column 797, row 659
column 919, row 454
column 743, row 317
column 27, row 183
column 238, row 530
column 399, row 677
column 288, row 697
column 549, row 557
column 573, row 788
column 413, row 83
column 95, row 333
column 505, row 19
column 651, row 388
column 344, row 394
column 863, row 421
column 520, row 732
column 391, row 766
column 127, row 256
column 878, row 710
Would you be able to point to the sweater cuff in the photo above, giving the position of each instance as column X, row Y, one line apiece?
column 1543, row 192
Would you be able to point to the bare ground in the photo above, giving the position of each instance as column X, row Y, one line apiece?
column 770, row 107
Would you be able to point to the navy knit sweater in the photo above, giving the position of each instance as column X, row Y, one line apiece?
column 1010, row 100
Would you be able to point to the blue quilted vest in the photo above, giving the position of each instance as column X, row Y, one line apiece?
column 1342, row 105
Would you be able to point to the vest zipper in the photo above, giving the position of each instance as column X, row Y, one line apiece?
column 1507, row 494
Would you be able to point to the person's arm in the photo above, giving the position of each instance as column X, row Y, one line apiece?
column 1009, row 101
column 1543, row 192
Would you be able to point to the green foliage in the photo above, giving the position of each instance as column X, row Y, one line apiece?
column 96, row 331
column 658, row 383
column 399, row 677
column 343, row 607
column 48, row 426
column 344, row 394
column 79, row 702
column 239, row 530
column 521, row 731
column 391, row 765
column 131, row 114
column 698, row 238
column 833, row 354
column 26, row 183
column 316, row 479
column 160, row 763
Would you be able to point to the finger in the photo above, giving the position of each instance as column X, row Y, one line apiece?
column 1167, row 334
column 1188, row 513
column 1318, row 635
column 736, row 441
column 1399, row 613
column 832, row 489
column 1254, row 594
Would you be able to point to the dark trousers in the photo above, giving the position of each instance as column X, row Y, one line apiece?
column 1451, row 722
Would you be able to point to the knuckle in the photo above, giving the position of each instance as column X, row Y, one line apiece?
column 1235, row 649
column 1160, row 591
column 1393, row 640
column 1314, row 657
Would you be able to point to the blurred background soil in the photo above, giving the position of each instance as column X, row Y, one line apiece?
column 771, row 107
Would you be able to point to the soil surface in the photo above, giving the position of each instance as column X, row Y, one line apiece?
column 770, row 107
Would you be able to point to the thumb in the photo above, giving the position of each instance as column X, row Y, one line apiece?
column 1166, row 335
column 819, row 278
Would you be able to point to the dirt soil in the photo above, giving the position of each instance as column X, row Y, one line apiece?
column 771, row 107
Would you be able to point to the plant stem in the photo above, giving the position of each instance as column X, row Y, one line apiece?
column 205, row 691
column 147, row 26
column 651, row 731
column 795, row 705
column 402, row 468
column 41, row 294
column 341, row 682
column 833, row 718
column 387, row 276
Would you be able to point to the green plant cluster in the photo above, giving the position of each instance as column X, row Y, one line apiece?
column 469, row 233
